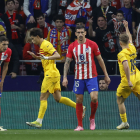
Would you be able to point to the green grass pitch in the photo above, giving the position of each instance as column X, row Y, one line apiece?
column 37, row 134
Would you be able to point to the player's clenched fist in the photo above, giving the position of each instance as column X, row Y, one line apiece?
column 65, row 82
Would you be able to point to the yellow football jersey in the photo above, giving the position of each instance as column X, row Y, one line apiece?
column 49, row 66
column 128, row 54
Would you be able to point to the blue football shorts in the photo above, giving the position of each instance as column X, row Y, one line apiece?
column 80, row 85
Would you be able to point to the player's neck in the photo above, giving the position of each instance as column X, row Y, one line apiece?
column 11, row 12
column 124, row 47
column 40, row 42
column 82, row 42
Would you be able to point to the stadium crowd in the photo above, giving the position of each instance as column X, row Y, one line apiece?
column 103, row 20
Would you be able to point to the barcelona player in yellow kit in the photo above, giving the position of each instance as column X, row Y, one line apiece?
column 130, row 79
column 51, row 81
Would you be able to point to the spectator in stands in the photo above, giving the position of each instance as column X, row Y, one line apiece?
column 127, row 10
column 32, row 7
column 43, row 25
column 31, row 68
column 94, row 3
column 118, row 23
column 135, row 17
column 60, row 36
column 107, row 42
column 14, row 25
column 107, row 11
column 59, row 7
column 19, row 10
column 103, row 86
column 13, row 67
column 77, row 9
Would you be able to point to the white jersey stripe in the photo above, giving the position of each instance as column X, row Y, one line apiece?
column 74, row 52
column 79, row 60
column 90, row 63
column 85, row 65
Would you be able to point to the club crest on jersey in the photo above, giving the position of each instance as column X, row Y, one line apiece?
column 82, row 57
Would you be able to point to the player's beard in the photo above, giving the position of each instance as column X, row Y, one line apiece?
column 80, row 38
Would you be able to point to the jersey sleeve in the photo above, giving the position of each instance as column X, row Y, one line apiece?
column 9, row 55
column 96, row 50
column 48, row 48
column 69, row 51
column 121, row 58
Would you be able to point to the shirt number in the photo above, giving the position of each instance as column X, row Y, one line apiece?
column 133, row 64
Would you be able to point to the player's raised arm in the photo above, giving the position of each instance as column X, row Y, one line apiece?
column 102, row 65
column 127, row 30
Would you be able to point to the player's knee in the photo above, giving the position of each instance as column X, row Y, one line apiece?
column 79, row 100
column 94, row 99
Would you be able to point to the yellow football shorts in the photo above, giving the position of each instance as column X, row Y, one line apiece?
column 125, row 91
column 50, row 84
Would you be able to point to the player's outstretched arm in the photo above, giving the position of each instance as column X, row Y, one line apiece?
column 4, row 72
column 33, row 55
column 66, row 68
column 102, row 65
column 127, row 30
column 56, row 55
column 127, row 72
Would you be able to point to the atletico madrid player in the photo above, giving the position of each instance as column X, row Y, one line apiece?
column 83, row 51
column 5, row 55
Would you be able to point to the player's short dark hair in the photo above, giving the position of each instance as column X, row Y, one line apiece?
column 80, row 27
column 102, row 17
column 120, row 12
column 36, row 32
column 78, row 20
column 101, row 78
column 40, row 14
column 59, row 17
column 124, row 38
column 3, row 38
column 10, row 1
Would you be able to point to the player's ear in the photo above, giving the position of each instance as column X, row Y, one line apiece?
column 85, row 32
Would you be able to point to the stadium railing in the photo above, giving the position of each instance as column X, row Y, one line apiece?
column 37, row 61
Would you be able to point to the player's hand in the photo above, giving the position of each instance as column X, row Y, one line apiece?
column 125, row 23
column 13, row 75
column 130, row 84
column 107, row 80
column 42, row 56
column 65, row 82
column 1, row 86
column 32, row 54
column 64, row 59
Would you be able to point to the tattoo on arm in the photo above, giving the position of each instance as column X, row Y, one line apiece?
column 66, row 66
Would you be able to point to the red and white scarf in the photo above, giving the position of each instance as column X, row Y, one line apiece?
column 14, row 32
column 77, row 10
column 118, row 27
column 46, row 29
column 64, row 40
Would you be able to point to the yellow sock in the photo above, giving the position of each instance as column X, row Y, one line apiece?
column 123, row 117
column 67, row 101
column 42, row 109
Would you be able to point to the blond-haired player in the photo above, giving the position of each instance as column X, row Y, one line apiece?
column 51, row 81
column 130, row 79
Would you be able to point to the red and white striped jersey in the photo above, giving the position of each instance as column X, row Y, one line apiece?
column 83, row 54
column 5, row 56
